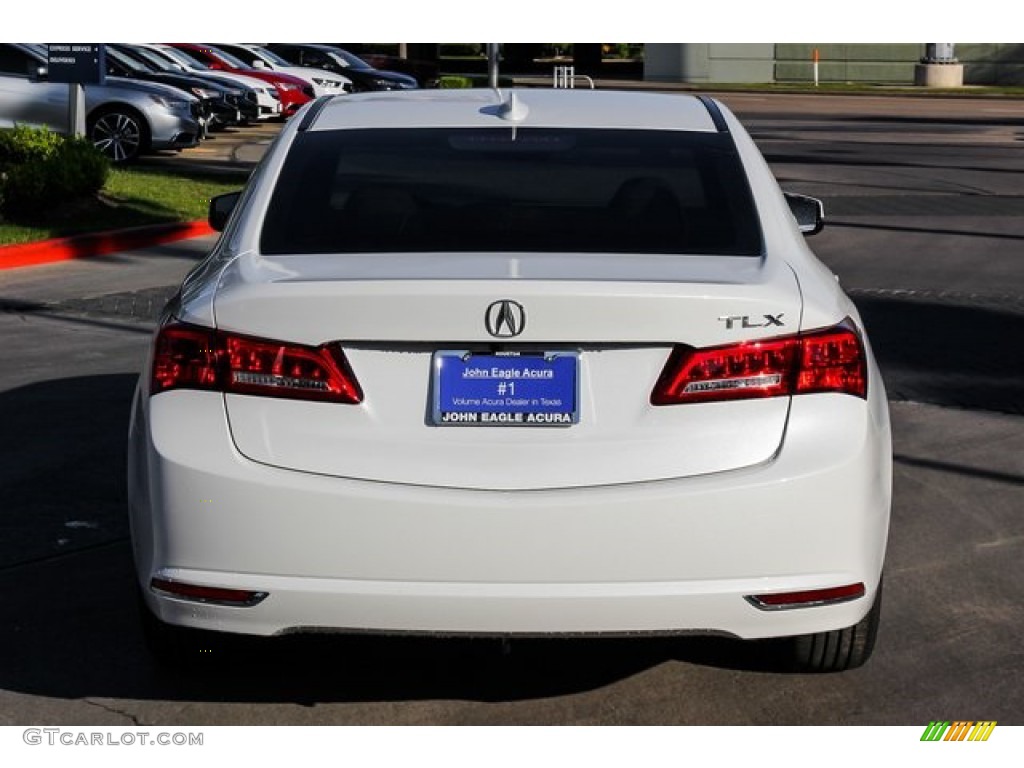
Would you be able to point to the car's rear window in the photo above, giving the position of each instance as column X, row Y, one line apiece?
column 508, row 189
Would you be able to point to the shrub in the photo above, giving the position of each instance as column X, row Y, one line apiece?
column 41, row 169
column 22, row 143
column 454, row 81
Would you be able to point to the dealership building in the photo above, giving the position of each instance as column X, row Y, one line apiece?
column 894, row 63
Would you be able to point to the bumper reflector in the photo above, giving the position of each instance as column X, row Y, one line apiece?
column 807, row 598
column 243, row 598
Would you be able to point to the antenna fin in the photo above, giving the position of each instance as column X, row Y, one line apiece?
column 512, row 109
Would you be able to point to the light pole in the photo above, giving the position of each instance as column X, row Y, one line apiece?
column 493, row 57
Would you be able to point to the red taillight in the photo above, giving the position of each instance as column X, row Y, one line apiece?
column 830, row 360
column 756, row 369
column 261, row 367
column 186, row 357
column 833, row 361
column 189, row 357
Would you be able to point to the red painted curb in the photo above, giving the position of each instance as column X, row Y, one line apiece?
column 98, row 243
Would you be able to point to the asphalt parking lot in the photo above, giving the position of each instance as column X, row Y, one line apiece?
column 925, row 201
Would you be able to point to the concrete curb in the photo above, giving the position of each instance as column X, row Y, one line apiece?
column 98, row 243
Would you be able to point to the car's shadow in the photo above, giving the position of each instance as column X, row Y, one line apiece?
column 72, row 629
column 73, row 633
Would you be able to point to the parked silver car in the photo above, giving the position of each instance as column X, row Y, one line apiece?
column 124, row 118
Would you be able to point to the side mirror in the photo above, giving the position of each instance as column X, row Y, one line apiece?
column 220, row 209
column 809, row 212
column 40, row 73
column 258, row 64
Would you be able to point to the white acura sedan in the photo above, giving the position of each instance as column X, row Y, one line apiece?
column 503, row 363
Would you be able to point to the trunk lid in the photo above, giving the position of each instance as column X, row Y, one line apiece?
column 619, row 316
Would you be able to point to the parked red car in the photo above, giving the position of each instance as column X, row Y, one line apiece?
column 293, row 91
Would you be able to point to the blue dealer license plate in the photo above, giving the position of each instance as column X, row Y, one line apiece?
column 521, row 389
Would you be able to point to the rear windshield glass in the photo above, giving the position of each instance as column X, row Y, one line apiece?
column 507, row 189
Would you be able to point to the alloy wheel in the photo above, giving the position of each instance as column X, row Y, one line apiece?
column 118, row 136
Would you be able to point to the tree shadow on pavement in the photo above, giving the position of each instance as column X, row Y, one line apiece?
column 954, row 351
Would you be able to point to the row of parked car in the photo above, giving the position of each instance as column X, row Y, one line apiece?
column 169, row 96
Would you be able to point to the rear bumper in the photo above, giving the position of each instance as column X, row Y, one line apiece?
column 301, row 604
column 668, row 556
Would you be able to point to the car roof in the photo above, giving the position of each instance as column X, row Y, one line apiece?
column 548, row 108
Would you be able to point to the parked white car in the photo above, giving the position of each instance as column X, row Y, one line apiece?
column 324, row 83
column 513, row 363
column 266, row 95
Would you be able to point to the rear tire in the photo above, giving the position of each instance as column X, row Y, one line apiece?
column 840, row 649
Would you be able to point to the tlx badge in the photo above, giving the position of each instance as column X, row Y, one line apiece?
column 743, row 321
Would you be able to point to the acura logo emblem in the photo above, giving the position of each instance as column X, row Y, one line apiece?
column 505, row 319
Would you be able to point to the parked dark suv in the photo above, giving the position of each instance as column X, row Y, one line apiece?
column 363, row 76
